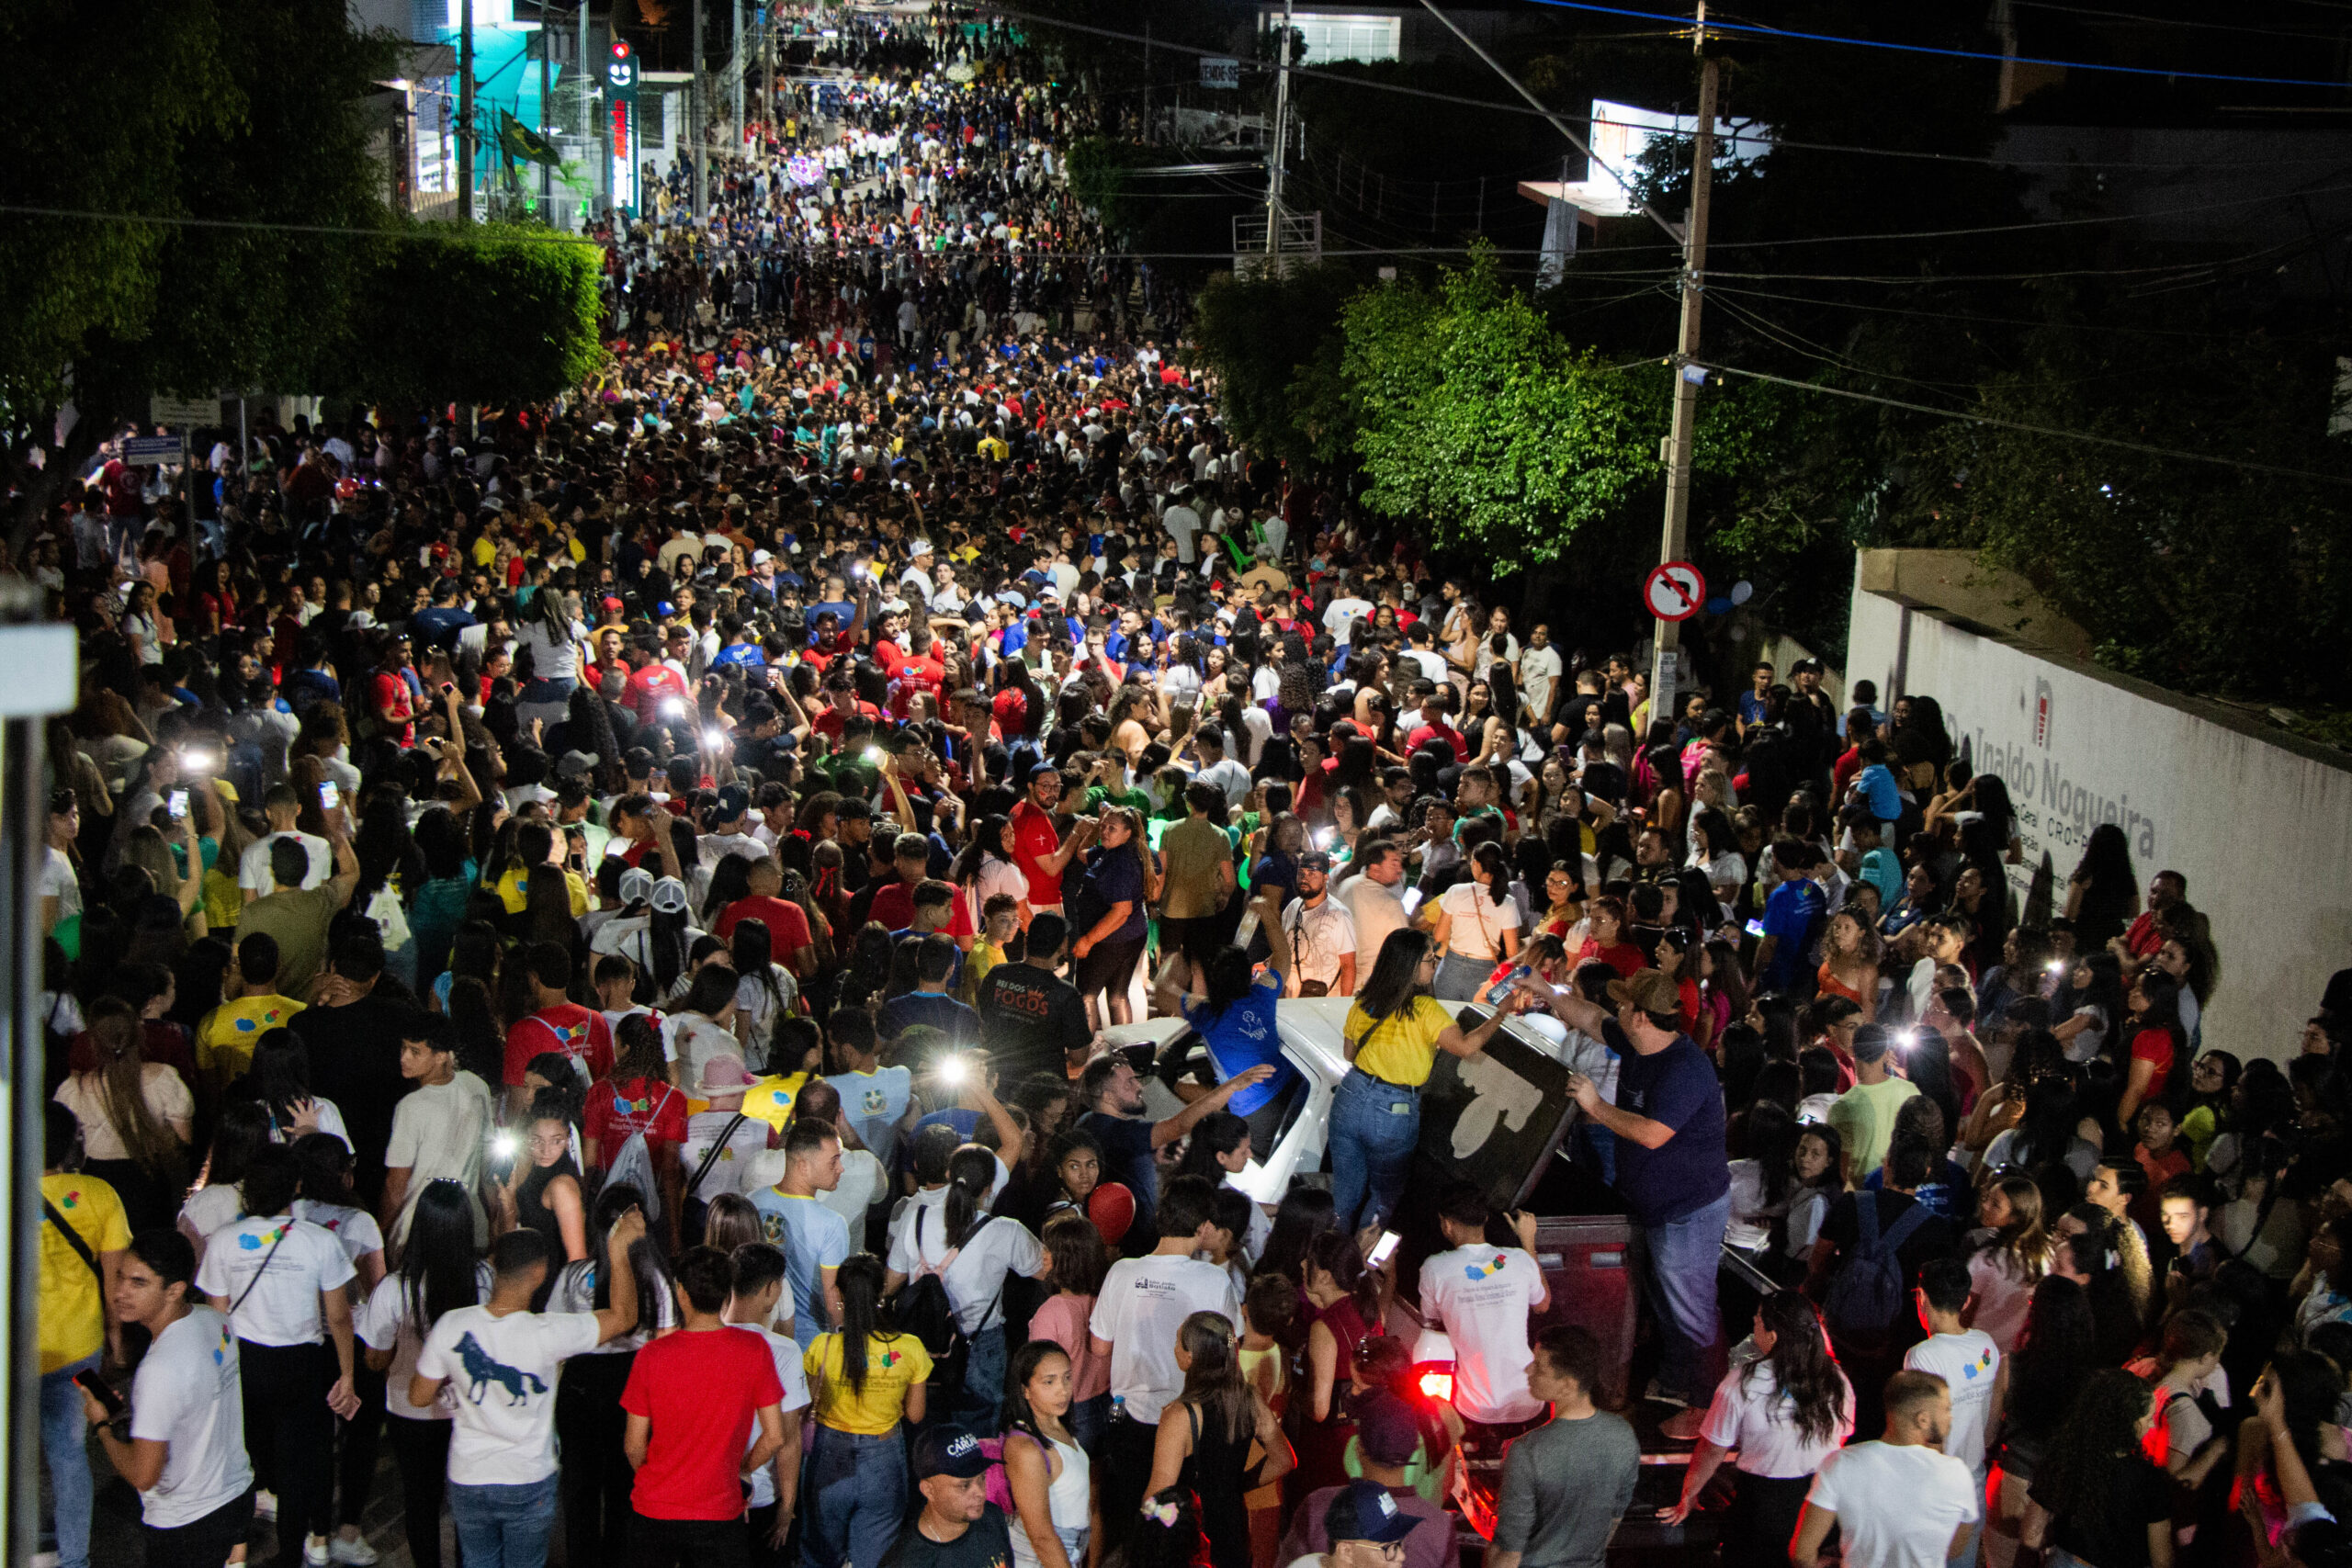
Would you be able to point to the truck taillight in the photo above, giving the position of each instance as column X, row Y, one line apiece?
column 1436, row 1382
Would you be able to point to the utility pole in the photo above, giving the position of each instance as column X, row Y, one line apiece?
column 466, row 112
column 735, row 68
column 697, row 128
column 546, row 41
column 587, row 121
column 1147, row 82
column 1686, row 389
column 1279, row 144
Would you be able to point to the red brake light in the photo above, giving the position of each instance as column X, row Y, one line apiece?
column 1437, row 1383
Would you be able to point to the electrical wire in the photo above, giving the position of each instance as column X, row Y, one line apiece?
column 1758, row 29
column 2063, row 435
column 1718, row 291
column 2179, row 21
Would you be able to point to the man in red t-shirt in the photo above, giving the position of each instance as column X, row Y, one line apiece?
column 841, row 705
column 691, row 1399
column 654, row 684
column 1433, row 727
column 1036, row 841
column 559, row 1025
column 789, row 937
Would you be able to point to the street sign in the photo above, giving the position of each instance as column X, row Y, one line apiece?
column 148, row 451
column 1216, row 71
column 179, row 412
column 1674, row 590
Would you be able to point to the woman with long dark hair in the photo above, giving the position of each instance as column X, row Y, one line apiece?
column 439, row 906
column 1049, row 1474
column 2035, row 1387
column 589, row 1422
column 865, row 1380
column 2098, row 1498
column 973, row 1253
column 1110, row 916
column 985, row 867
column 2103, row 895
column 2097, row 982
column 765, row 992
column 2010, row 1259
column 440, row 1271
column 136, row 1117
column 1392, row 1036
column 241, row 1127
column 545, row 1192
column 1203, row 1445
column 1783, row 1413
column 1304, row 1213
column 2157, row 1054
column 1477, row 925
column 1344, row 1302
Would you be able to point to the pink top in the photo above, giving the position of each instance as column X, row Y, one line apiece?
column 1063, row 1319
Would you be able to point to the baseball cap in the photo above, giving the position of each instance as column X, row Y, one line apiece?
column 1647, row 989
column 669, row 896
column 1363, row 1510
column 950, row 1449
column 637, row 886
column 1315, row 860
column 575, row 765
column 1386, row 1427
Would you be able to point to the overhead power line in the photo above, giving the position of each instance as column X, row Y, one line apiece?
column 1758, row 29
column 2081, row 436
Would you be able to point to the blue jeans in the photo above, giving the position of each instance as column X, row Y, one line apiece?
column 984, row 1371
column 503, row 1527
column 858, row 1485
column 1374, row 1127
column 1089, row 1419
column 64, row 1442
column 1681, row 1259
column 1459, row 977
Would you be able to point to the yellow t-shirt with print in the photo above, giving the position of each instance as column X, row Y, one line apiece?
column 770, row 1100
column 1401, row 1049
column 985, row 955
column 513, row 893
column 225, row 1040
column 892, row 1367
column 72, row 1325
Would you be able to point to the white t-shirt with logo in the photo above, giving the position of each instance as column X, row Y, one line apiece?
column 729, row 1172
column 1897, row 1505
column 503, row 1372
column 1142, row 1303
column 975, row 1281
column 275, row 1267
column 1967, row 1362
column 1482, row 1295
column 385, row 1323
column 786, row 1355
column 1751, row 1415
column 189, row 1396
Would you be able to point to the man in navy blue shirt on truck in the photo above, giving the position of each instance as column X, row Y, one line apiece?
column 1669, row 1120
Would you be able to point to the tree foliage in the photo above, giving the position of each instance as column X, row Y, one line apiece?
column 502, row 315
column 1475, row 418
column 1262, row 333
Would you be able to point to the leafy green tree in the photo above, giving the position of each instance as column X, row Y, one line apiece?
column 1262, row 331
column 1477, row 419
column 512, row 311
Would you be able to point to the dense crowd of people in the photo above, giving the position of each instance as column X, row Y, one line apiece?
column 614, row 950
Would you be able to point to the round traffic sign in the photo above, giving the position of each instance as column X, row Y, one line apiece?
column 1674, row 590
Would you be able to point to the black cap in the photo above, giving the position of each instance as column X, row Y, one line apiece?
column 1364, row 1510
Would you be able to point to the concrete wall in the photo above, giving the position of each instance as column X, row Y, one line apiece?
column 2260, row 823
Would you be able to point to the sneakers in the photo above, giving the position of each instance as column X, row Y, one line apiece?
column 265, row 1504
column 1657, row 1394
column 314, row 1552
column 352, row 1552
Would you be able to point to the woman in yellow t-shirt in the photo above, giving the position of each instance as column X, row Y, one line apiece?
column 864, row 1379
column 1392, row 1037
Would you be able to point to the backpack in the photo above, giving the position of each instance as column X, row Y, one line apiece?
column 634, row 1165
column 925, row 1311
column 1000, row 1484
column 1867, row 1294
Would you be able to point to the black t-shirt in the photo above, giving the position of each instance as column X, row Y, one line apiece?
column 355, row 1058
column 1127, row 1159
column 2138, row 1495
column 1933, row 1239
column 988, row 1543
column 1028, row 1019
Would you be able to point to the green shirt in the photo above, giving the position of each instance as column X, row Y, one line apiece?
column 1864, row 1118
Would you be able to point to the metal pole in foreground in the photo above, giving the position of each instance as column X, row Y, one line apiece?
column 466, row 112
column 1675, row 539
column 44, row 661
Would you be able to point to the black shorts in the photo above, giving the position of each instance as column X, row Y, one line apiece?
column 1108, row 965
column 205, row 1543
column 1197, row 937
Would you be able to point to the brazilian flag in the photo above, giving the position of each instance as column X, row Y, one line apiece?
column 520, row 142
